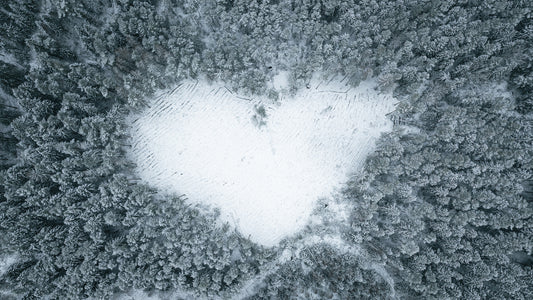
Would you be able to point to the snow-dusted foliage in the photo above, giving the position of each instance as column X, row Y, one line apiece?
column 441, row 209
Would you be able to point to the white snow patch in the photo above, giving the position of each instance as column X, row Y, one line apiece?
column 281, row 81
column 9, row 59
column 410, row 129
column 263, row 173
column 6, row 262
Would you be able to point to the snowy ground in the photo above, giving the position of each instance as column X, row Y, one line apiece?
column 264, row 171
column 6, row 262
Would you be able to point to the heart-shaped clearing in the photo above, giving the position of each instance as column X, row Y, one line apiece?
column 262, row 163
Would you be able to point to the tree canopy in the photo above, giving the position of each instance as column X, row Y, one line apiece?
column 443, row 208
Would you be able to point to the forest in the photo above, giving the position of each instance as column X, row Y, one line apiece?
column 442, row 210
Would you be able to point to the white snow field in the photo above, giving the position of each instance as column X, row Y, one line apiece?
column 264, row 174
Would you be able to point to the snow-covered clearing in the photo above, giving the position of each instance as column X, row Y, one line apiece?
column 263, row 163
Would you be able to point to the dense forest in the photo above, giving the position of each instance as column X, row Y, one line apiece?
column 443, row 209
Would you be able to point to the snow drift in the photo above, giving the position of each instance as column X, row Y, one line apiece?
column 263, row 163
